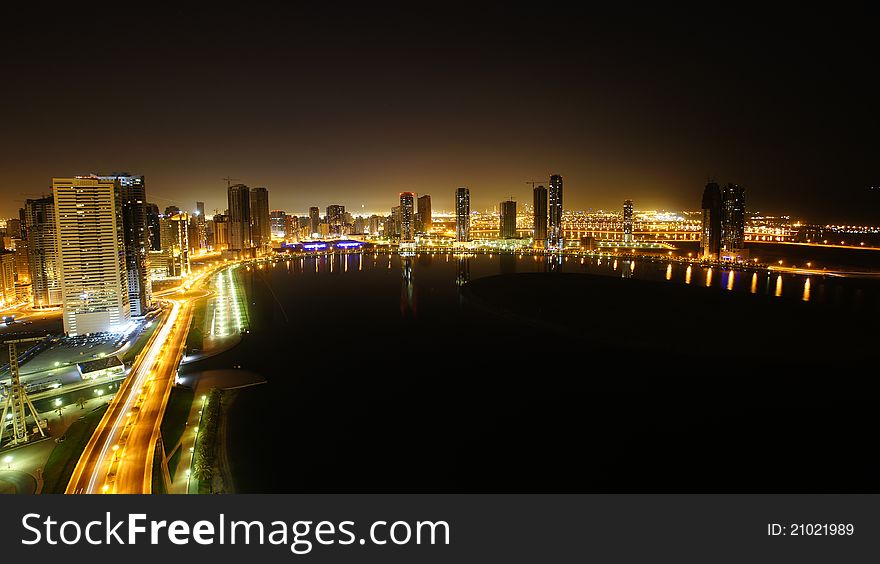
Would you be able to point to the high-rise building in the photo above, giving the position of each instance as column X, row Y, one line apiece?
column 710, row 235
column 221, row 232
column 314, row 220
column 462, row 215
column 540, row 214
column 291, row 227
column 507, row 220
column 261, row 229
column 43, row 251
column 240, row 238
column 278, row 221
column 153, row 227
column 407, row 219
column 335, row 219
column 201, row 227
column 554, row 213
column 137, row 240
column 375, row 222
column 172, row 210
column 176, row 245
column 627, row 221
column 425, row 219
column 91, row 255
column 733, row 218
column 7, row 278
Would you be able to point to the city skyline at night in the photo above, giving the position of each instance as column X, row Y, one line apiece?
column 323, row 110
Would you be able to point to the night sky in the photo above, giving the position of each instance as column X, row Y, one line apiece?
column 353, row 108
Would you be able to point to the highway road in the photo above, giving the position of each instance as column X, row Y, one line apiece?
column 119, row 456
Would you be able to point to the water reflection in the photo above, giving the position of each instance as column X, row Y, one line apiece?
column 730, row 280
column 754, row 282
column 778, row 285
column 669, row 271
column 806, row 296
column 687, row 274
column 709, row 277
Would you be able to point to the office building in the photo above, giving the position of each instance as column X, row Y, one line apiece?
column 153, row 227
column 221, row 232
column 710, row 234
column 407, row 217
column 424, row 214
column 176, row 245
column 137, row 240
column 43, row 251
column 7, row 278
column 335, row 219
column 239, row 216
column 733, row 218
column 261, row 229
column 91, row 255
column 462, row 215
column 278, row 221
column 314, row 220
column 507, row 220
column 554, row 213
column 627, row 221
column 539, row 203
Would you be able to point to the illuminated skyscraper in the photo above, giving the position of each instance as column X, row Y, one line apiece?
column 627, row 221
column 261, row 229
column 508, row 220
column 407, row 217
column 540, row 204
column 91, row 255
column 710, row 235
column 42, row 234
column 201, row 227
column 137, row 240
column 176, row 244
column 462, row 215
column 733, row 218
column 335, row 219
column 554, row 212
column 278, row 219
column 153, row 227
column 239, row 218
column 425, row 219
column 314, row 220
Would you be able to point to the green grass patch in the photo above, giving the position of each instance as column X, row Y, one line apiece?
column 176, row 414
column 65, row 455
column 196, row 336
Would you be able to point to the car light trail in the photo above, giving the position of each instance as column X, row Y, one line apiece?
column 135, row 390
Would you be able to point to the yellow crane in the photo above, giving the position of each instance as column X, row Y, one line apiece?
column 17, row 398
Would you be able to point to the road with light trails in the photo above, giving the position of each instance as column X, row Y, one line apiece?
column 119, row 456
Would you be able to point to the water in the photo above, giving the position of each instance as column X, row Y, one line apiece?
column 383, row 376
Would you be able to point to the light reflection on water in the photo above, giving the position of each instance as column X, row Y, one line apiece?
column 820, row 289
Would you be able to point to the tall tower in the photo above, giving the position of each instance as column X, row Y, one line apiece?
column 137, row 240
column 540, row 205
column 407, row 217
column 508, row 220
column 91, row 254
column 240, row 238
column 462, row 215
column 314, row 220
column 554, row 213
column 335, row 218
column 710, row 235
column 153, row 227
column 201, row 226
column 627, row 221
column 42, row 233
column 261, row 229
column 176, row 243
column 733, row 218
column 425, row 213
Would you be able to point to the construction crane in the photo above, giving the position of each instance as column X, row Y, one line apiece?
column 17, row 398
column 533, row 182
column 229, row 181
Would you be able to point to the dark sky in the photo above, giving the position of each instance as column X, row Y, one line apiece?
column 353, row 108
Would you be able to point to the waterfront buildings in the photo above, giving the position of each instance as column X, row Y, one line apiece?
column 627, row 221
column 507, row 219
column 425, row 221
column 335, row 219
column 554, row 213
column 710, row 234
column 407, row 225
column 314, row 220
column 261, row 230
column 278, row 221
column 239, row 217
column 91, row 254
column 733, row 218
column 462, row 215
column 539, row 202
